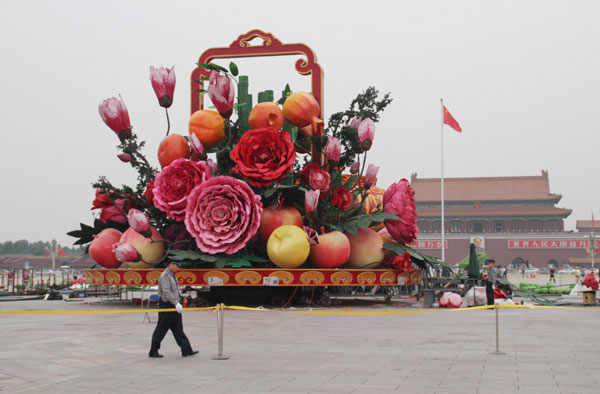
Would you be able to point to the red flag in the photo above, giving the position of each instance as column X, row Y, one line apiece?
column 61, row 252
column 450, row 121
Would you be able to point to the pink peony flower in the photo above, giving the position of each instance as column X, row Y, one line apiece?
column 114, row 113
column 163, row 83
column 175, row 182
column 311, row 200
column 371, row 174
column 333, row 149
column 320, row 180
column 222, row 214
column 366, row 133
column 221, row 91
column 115, row 212
column 400, row 198
column 125, row 252
column 139, row 222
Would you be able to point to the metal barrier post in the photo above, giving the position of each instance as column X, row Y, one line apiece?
column 220, row 323
column 497, row 352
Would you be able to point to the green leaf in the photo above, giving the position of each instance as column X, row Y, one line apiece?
column 363, row 223
column 233, row 68
column 238, row 263
column 294, row 134
column 192, row 255
column 212, row 66
column 254, row 258
column 350, row 227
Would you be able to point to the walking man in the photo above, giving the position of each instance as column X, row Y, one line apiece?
column 170, row 297
column 489, row 282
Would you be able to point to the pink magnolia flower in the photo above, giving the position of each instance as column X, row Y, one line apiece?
column 197, row 148
column 114, row 113
column 399, row 198
column 125, row 252
column 371, row 174
column 175, row 182
column 221, row 91
column 366, row 133
column 333, row 149
column 320, row 180
column 355, row 122
column 311, row 200
column 115, row 212
column 163, row 83
column 354, row 168
column 139, row 222
column 223, row 214
column 124, row 157
column 312, row 235
column 213, row 166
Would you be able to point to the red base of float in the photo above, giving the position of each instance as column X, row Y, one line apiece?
column 254, row 277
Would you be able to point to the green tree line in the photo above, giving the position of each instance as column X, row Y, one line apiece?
column 38, row 248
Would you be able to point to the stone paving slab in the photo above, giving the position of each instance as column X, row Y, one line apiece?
column 547, row 351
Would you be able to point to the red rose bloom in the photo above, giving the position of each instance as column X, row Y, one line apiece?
column 116, row 212
column 305, row 173
column 148, row 194
column 320, row 180
column 341, row 198
column 403, row 262
column 102, row 200
column 263, row 155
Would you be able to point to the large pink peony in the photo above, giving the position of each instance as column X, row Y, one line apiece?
column 400, row 198
column 223, row 214
column 174, row 184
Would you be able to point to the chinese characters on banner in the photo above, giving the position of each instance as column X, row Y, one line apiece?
column 549, row 243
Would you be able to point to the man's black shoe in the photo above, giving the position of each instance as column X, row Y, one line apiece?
column 154, row 355
column 189, row 354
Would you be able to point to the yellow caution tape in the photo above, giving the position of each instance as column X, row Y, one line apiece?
column 101, row 311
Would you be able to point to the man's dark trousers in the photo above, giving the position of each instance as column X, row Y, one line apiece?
column 170, row 321
column 489, row 292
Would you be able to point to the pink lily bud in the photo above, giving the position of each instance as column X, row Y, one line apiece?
column 221, row 91
column 355, row 122
column 125, row 252
column 163, row 83
column 366, row 133
column 124, row 157
column 354, row 168
column 114, row 113
column 312, row 235
column 371, row 175
column 139, row 222
column 311, row 200
column 333, row 149
column 213, row 166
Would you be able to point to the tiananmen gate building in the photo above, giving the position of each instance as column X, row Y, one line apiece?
column 513, row 219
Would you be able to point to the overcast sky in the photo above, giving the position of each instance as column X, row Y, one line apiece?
column 521, row 77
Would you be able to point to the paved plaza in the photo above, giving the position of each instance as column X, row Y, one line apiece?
column 547, row 351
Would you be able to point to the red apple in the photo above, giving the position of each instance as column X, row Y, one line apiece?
column 387, row 239
column 332, row 251
column 101, row 248
column 152, row 252
column 366, row 249
column 276, row 216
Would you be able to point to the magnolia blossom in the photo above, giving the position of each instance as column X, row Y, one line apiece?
column 197, row 148
column 311, row 200
column 355, row 122
column 114, row 113
column 399, row 198
column 333, row 149
column 221, row 91
column 354, row 168
column 366, row 133
column 125, row 252
column 124, row 157
column 163, row 83
column 212, row 165
column 371, row 174
column 311, row 235
column 139, row 222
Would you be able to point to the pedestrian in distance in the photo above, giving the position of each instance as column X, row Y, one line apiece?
column 170, row 297
column 490, row 280
column 552, row 278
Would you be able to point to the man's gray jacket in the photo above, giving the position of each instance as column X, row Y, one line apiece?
column 492, row 275
column 168, row 289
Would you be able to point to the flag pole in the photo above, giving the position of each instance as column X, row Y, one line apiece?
column 442, row 178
